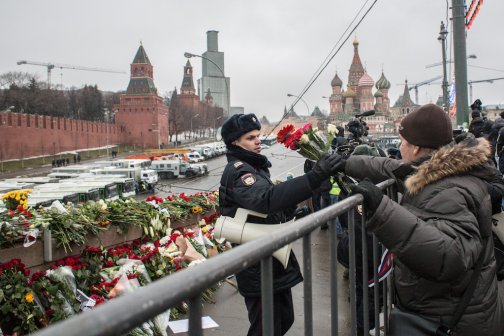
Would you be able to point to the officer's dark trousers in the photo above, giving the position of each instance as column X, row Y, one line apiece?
column 283, row 311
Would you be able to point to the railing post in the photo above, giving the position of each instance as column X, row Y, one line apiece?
column 267, row 295
column 376, row 288
column 353, row 288
column 195, row 312
column 333, row 241
column 365, row 277
column 385, row 300
column 307, row 285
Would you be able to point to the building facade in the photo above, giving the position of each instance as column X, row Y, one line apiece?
column 213, row 76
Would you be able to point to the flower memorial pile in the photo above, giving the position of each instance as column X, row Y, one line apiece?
column 80, row 282
column 307, row 141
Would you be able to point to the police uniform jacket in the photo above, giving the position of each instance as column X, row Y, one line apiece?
column 246, row 183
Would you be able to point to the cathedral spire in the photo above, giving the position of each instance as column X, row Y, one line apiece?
column 406, row 101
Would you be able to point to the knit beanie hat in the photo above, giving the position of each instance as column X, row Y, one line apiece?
column 428, row 127
column 237, row 125
column 365, row 150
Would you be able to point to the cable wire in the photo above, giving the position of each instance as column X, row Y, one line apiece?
column 329, row 59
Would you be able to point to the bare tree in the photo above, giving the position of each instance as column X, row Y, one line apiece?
column 16, row 78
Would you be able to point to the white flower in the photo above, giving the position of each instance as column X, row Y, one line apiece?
column 164, row 240
column 331, row 129
column 304, row 139
column 149, row 246
column 196, row 262
column 103, row 205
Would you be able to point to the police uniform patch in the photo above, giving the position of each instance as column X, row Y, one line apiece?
column 248, row 179
column 238, row 164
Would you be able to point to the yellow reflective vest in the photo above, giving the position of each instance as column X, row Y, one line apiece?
column 335, row 190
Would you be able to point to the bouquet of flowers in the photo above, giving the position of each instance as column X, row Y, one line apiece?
column 55, row 295
column 15, row 225
column 16, row 197
column 19, row 310
column 307, row 141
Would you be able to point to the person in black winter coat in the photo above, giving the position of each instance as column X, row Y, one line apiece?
column 477, row 124
column 246, row 183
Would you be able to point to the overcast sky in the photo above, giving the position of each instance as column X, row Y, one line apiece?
column 271, row 47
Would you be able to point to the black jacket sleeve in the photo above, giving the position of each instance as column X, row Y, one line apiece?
column 253, row 190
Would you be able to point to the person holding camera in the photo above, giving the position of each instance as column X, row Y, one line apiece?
column 246, row 183
column 440, row 233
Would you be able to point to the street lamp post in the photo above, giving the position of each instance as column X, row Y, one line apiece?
column 214, row 123
column 189, row 55
column 442, row 38
column 197, row 115
column 298, row 97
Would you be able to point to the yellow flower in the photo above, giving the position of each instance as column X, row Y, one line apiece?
column 204, row 229
column 196, row 210
column 29, row 297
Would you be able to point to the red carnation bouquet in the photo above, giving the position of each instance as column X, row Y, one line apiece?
column 307, row 141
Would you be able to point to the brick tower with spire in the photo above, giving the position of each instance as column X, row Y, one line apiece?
column 141, row 112
column 355, row 73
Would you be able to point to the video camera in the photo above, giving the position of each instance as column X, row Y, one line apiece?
column 358, row 127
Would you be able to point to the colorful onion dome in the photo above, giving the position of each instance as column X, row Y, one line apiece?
column 378, row 94
column 336, row 81
column 366, row 80
column 349, row 92
column 382, row 83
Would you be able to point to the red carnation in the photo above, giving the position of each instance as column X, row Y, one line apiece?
column 284, row 133
column 306, row 127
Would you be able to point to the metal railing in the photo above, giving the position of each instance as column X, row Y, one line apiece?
column 120, row 315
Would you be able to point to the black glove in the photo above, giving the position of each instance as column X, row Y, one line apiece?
column 371, row 193
column 329, row 165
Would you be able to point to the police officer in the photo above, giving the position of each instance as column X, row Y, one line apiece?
column 246, row 183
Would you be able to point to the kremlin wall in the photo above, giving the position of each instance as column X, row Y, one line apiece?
column 28, row 135
column 139, row 116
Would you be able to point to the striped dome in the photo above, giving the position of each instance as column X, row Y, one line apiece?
column 382, row 83
column 366, row 80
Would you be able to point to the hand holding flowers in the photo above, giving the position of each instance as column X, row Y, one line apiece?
column 308, row 141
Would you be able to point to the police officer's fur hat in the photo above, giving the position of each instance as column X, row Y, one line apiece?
column 237, row 125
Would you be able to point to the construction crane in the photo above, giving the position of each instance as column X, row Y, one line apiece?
column 51, row 66
column 417, row 85
column 491, row 80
